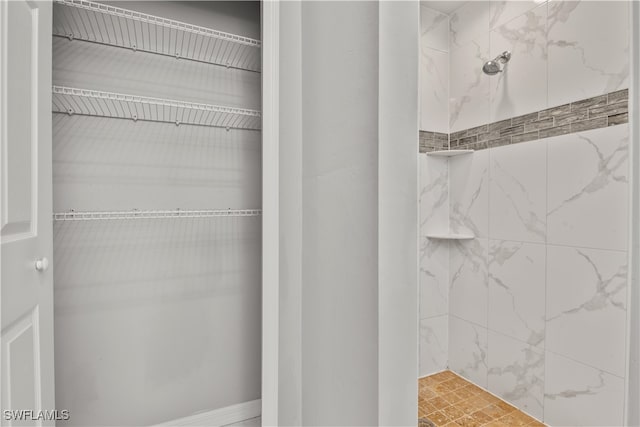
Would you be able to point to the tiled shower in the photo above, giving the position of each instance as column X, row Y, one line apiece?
column 524, row 240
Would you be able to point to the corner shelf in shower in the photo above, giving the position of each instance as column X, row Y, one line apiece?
column 448, row 153
column 450, row 236
column 104, row 24
column 153, row 214
column 116, row 105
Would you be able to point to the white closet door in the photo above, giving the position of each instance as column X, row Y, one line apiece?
column 26, row 212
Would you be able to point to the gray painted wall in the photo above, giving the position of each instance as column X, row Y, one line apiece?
column 290, row 192
column 398, row 213
column 348, row 178
column 340, row 221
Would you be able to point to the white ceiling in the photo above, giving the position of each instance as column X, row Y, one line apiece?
column 444, row 6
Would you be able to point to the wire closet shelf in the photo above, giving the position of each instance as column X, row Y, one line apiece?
column 116, row 105
column 114, row 26
column 153, row 214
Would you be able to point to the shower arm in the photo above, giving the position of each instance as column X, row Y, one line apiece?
column 504, row 57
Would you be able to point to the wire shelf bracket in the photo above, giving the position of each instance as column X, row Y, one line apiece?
column 153, row 214
column 116, row 105
column 104, row 24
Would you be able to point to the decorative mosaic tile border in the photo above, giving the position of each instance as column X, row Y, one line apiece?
column 433, row 141
column 591, row 113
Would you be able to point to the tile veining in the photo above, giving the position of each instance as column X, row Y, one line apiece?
column 608, row 168
column 516, row 373
column 584, row 62
column 504, row 11
column 529, row 219
column 608, row 290
column 434, row 277
column 434, row 337
column 468, row 350
column 522, row 87
column 586, row 306
column 469, row 198
column 468, row 291
column 516, row 290
column 589, row 172
column 434, row 29
column 469, row 97
column 437, row 195
column 517, row 192
column 579, row 395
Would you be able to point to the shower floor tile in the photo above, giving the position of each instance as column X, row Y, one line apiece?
column 447, row 399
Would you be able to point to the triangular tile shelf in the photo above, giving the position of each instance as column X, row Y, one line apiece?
column 450, row 236
column 448, row 153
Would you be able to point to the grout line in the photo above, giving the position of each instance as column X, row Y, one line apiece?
column 434, row 317
column 436, row 49
column 584, row 364
column 500, row 333
column 627, row 414
column 624, row 251
column 468, row 321
column 488, row 246
column 449, row 87
column 546, row 35
column 487, row 260
column 546, row 258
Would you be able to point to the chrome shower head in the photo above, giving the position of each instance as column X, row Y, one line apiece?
column 492, row 67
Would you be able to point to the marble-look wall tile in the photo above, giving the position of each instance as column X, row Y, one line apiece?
column 468, row 22
column 586, row 306
column 434, row 194
column 516, row 373
column 503, row 11
column 434, row 345
column 468, row 280
column 434, row 29
column 522, row 86
column 468, row 85
column 434, row 277
column 579, row 395
column 517, row 290
column 468, row 350
column 525, row 285
column 517, row 192
column 588, row 49
column 434, row 70
column 434, row 90
column 434, row 266
column 588, row 188
column 469, row 193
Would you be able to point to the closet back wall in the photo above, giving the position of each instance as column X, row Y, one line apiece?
column 157, row 319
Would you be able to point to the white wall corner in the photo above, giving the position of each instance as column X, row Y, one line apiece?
column 399, row 29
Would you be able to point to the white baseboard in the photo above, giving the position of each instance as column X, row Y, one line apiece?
column 219, row 417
